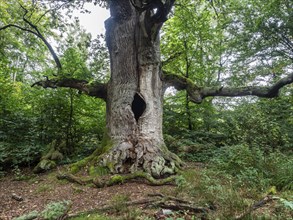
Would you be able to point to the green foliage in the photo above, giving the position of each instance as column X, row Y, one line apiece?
column 18, row 174
column 263, row 124
column 252, row 167
column 52, row 211
column 241, row 162
column 227, row 44
column 30, row 118
column 29, row 216
column 119, row 203
column 180, row 181
column 55, row 210
column 279, row 169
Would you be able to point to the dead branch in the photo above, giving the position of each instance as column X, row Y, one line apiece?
column 162, row 202
column 111, row 207
column 255, row 206
column 177, row 204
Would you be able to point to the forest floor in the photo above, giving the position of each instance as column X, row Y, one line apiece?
column 35, row 192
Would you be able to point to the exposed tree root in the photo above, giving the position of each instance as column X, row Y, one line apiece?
column 74, row 179
column 88, row 161
column 104, row 181
column 137, row 176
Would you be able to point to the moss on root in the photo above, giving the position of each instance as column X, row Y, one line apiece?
column 91, row 161
column 44, row 165
column 120, row 179
column 52, row 157
column 103, row 161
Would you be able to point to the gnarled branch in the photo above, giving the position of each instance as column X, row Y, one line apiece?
column 98, row 90
column 197, row 94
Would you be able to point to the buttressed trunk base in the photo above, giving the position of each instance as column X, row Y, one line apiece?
column 135, row 97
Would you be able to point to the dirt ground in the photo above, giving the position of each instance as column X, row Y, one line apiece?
column 40, row 190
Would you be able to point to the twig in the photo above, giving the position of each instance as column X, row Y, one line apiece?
column 255, row 206
column 163, row 202
column 177, row 204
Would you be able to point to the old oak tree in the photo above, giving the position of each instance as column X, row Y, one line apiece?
column 133, row 140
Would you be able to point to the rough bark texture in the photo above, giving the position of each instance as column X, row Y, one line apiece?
column 135, row 96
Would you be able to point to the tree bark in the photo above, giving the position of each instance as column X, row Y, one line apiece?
column 135, row 96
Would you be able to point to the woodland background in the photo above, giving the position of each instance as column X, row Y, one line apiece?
column 246, row 142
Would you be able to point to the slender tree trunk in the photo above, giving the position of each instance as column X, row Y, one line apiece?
column 134, row 102
column 187, row 102
column 69, row 128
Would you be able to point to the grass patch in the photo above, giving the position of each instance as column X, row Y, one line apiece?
column 92, row 217
column 44, row 188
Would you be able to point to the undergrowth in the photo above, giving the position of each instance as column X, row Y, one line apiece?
column 237, row 177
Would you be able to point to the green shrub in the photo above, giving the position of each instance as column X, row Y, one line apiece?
column 279, row 170
column 12, row 154
column 250, row 165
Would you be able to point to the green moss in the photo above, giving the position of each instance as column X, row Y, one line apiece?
column 106, row 143
column 92, row 171
column 56, row 155
column 110, row 166
column 49, row 154
column 44, row 165
column 93, row 159
column 98, row 171
column 54, row 151
column 74, row 168
column 116, row 179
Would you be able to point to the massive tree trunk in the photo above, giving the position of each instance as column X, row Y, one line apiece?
column 135, row 96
